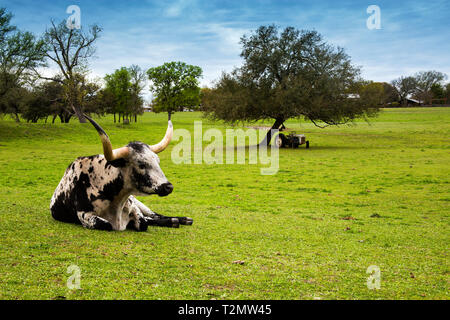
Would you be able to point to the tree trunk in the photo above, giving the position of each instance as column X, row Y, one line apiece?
column 16, row 117
column 65, row 117
column 114, row 117
column 276, row 126
column 135, row 118
column 403, row 102
column 54, row 118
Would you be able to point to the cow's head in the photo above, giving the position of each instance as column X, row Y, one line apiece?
column 142, row 162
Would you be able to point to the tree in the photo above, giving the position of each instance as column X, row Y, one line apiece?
column 404, row 86
column 390, row 93
column 123, row 92
column 291, row 74
column 118, row 85
column 70, row 50
column 188, row 98
column 106, row 102
column 138, row 79
column 37, row 105
column 378, row 93
column 54, row 91
column 425, row 80
column 88, row 94
column 447, row 92
column 20, row 53
column 374, row 91
column 12, row 102
column 175, row 85
column 437, row 91
column 49, row 98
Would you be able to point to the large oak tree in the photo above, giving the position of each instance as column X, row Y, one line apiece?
column 289, row 74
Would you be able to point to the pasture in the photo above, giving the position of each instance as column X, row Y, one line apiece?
column 368, row 194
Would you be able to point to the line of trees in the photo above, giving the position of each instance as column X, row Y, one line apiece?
column 20, row 53
column 28, row 92
column 424, row 86
column 24, row 88
column 286, row 74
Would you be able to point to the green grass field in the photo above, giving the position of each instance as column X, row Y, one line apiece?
column 369, row 194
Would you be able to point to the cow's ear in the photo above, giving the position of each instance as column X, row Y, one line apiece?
column 118, row 163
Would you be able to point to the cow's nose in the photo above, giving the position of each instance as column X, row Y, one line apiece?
column 165, row 189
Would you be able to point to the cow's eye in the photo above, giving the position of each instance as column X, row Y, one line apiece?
column 142, row 166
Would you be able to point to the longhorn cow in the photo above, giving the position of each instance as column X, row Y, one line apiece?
column 98, row 191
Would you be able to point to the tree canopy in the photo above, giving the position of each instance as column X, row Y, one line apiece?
column 425, row 81
column 20, row 54
column 175, row 85
column 404, row 87
column 422, row 85
column 289, row 74
column 70, row 49
column 123, row 91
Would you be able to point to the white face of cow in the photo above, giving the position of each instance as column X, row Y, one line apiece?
column 146, row 174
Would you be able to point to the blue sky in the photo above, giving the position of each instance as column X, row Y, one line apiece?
column 414, row 35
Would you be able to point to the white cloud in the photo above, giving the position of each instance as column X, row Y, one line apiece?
column 176, row 8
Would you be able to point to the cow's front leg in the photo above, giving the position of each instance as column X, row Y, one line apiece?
column 137, row 221
column 182, row 220
column 162, row 222
column 156, row 219
column 91, row 221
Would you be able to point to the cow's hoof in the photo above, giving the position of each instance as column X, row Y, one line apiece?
column 143, row 225
column 186, row 221
column 101, row 224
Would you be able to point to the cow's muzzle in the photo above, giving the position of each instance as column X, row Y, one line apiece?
column 164, row 189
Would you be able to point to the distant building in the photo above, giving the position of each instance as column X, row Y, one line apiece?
column 413, row 102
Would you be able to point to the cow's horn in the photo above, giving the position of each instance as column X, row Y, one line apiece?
column 156, row 148
column 108, row 151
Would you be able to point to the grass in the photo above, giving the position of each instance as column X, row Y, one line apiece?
column 369, row 194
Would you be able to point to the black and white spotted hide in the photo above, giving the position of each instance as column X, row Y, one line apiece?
column 99, row 194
